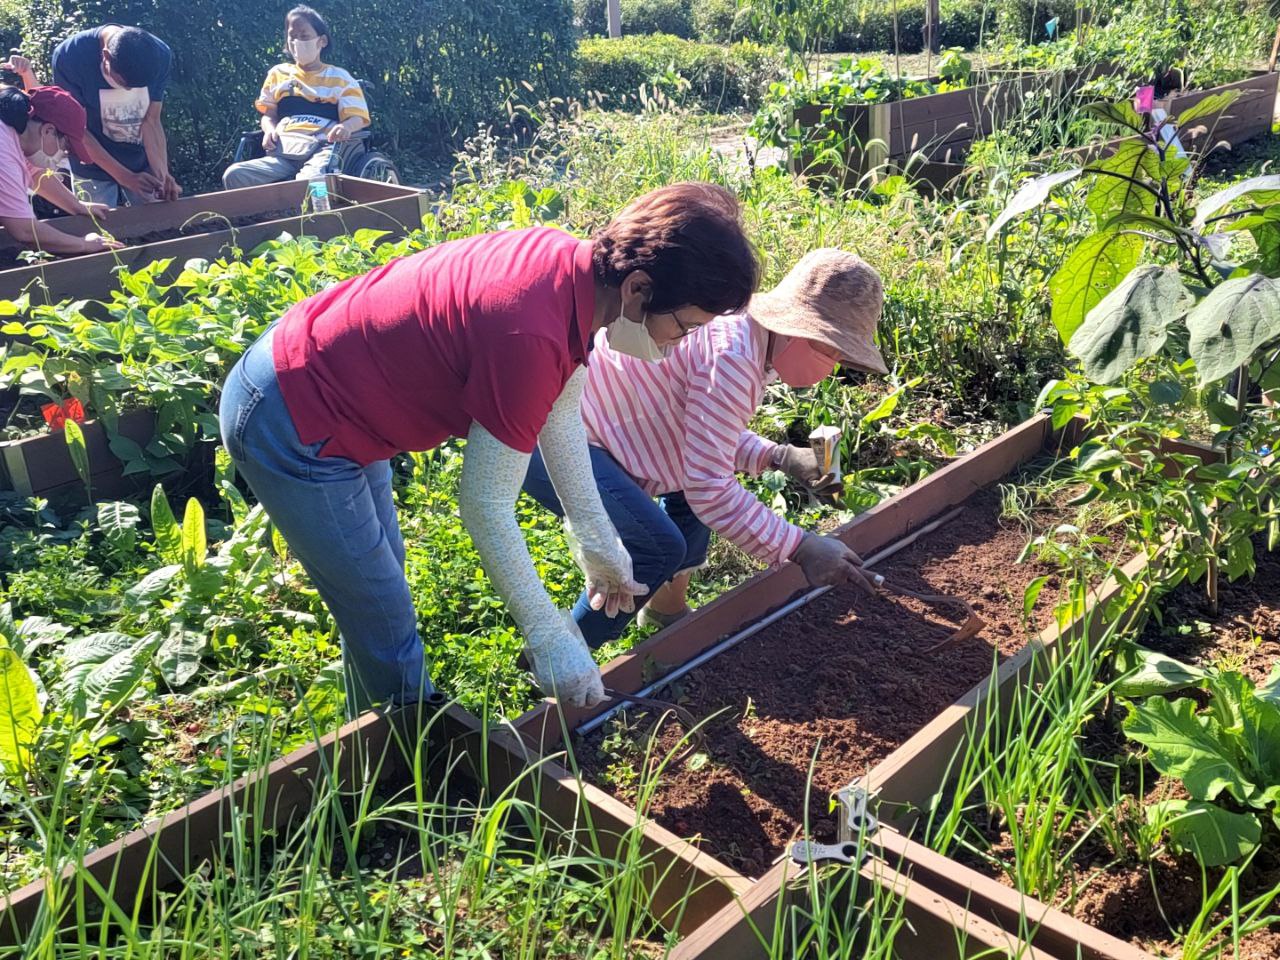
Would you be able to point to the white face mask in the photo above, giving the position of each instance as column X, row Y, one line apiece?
column 305, row 51
column 47, row 161
column 633, row 339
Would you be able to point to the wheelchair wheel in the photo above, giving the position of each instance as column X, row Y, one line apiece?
column 373, row 165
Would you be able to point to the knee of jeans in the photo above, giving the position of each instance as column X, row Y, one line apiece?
column 662, row 557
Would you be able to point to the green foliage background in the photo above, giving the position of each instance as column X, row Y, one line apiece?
column 436, row 70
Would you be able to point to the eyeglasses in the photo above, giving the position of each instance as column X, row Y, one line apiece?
column 684, row 328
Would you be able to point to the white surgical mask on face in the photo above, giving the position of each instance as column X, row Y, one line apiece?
column 632, row 339
column 305, row 51
column 47, row 161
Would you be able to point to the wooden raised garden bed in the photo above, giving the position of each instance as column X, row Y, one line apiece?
column 42, row 465
column 1250, row 116
column 207, row 225
column 723, row 904
column 833, row 684
column 938, row 128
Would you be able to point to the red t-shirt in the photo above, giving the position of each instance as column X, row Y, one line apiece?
column 484, row 329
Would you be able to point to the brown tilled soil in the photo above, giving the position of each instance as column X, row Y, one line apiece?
column 1245, row 636
column 841, row 683
column 1141, row 902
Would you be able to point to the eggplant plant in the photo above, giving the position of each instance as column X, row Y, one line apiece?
column 1160, row 320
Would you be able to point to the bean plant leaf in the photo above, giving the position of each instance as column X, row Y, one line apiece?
column 1130, row 322
column 1156, row 673
column 179, row 655
column 1094, row 268
column 1213, row 835
column 1214, row 103
column 20, row 712
column 165, row 526
column 1029, row 196
column 194, row 543
column 1122, row 181
column 1193, row 748
column 1269, row 185
column 1231, row 324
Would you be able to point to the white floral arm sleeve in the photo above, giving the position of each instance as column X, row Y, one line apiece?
column 492, row 474
column 595, row 543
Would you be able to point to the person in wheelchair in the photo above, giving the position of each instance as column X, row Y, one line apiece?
column 308, row 108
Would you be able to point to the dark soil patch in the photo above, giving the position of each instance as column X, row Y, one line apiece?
column 847, row 678
column 199, row 225
column 1246, row 633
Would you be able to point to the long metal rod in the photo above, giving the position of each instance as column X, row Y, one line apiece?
column 595, row 723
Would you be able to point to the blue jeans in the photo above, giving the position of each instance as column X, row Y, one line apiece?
column 108, row 192
column 663, row 538
column 339, row 520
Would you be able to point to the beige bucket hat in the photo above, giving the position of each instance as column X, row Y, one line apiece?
column 832, row 297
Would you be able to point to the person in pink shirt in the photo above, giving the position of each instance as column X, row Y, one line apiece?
column 485, row 338
column 37, row 128
column 677, row 430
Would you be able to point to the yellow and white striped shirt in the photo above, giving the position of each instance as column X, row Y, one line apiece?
column 308, row 101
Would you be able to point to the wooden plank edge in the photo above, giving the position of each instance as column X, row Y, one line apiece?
column 165, row 850
column 934, row 928
column 1047, row 928
column 687, row 884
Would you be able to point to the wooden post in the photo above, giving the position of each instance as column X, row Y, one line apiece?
column 932, row 30
column 1275, row 51
column 615, row 17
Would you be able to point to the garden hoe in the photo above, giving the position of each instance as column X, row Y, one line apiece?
column 971, row 625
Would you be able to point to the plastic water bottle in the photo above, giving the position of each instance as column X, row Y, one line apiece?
column 318, row 195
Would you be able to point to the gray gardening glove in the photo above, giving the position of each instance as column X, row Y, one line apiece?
column 801, row 465
column 827, row 562
column 562, row 664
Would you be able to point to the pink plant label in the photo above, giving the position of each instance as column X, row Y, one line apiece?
column 1144, row 99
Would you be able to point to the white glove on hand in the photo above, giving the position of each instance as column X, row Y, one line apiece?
column 604, row 561
column 562, row 665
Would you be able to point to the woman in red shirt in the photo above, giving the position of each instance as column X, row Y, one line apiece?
column 484, row 338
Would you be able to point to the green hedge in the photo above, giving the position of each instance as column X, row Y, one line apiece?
column 719, row 77
column 868, row 25
column 436, row 70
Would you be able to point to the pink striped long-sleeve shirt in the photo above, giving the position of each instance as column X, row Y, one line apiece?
column 681, row 425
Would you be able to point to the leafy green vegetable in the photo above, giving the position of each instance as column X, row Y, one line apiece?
column 1227, row 756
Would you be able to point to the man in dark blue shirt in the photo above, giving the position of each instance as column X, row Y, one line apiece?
column 119, row 75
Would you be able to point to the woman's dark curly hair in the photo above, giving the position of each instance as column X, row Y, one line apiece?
column 688, row 238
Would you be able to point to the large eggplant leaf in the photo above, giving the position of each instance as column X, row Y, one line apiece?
column 1123, row 181
column 1231, row 324
column 1095, row 268
column 1268, row 186
column 1029, row 196
column 1130, row 323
